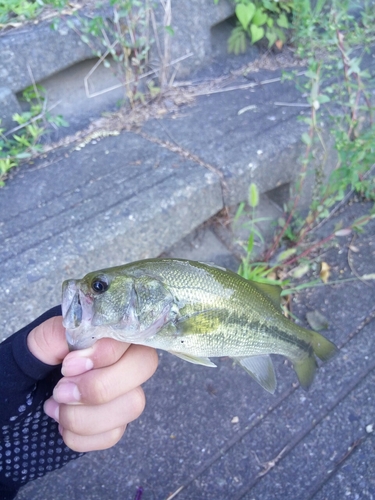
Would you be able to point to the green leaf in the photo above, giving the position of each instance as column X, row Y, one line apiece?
column 245, row 14
column 282, row 21
column 300, row 271
column 286, row 254
column 250, row 243
column 319, row 6
column 306, row 138
column 237, row 41
column 239, row 211
column 253, row 195
column 257, row 33
column 260, row 17
column 323, row 98
column 270, row 5
column 271, row 37
column 169, row 30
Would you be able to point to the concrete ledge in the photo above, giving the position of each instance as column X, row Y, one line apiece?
column 44, row 50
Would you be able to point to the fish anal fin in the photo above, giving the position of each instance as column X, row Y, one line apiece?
column 273, row 292
column 305, row 370
column 260, row 368
column 194, row 359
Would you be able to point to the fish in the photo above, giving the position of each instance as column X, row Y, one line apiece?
column 195, row 311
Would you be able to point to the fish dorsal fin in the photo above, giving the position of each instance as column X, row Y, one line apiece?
column 260, row 368
column 273, row 292
column 194, row 359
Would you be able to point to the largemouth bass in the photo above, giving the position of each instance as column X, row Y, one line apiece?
column 193, row 310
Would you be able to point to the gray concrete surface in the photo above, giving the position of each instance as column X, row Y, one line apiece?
column 8, row 107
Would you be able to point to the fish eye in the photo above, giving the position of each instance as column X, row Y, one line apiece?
column 100, row 285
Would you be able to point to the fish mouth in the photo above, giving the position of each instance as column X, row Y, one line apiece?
column 71, row 305
column 77, row 312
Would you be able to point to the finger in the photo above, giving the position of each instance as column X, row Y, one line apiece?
column 100, row 386
column 84, row 444
column 90, row 420
column 47, row 341
column 105, row 352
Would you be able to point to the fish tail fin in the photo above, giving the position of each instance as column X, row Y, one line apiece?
column 305, row 370
column 323, row 348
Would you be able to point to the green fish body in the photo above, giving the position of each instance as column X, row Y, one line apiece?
column 193, row 310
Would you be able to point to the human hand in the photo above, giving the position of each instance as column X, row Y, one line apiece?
column 100, row 391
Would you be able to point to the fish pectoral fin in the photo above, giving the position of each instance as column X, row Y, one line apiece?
column 260, row 368
column 194, row 359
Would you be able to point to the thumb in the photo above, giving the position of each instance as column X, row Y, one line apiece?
column 47, row 341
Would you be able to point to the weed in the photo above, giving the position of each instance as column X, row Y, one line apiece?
column 122, row 40
column 333, row 41
column 18, row 11
column 260, row 19
column 24, row 140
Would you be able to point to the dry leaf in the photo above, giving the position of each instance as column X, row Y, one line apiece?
column 317, row 321
column 279, row 44
column 324, row 272
column 353, row 248
column 247, row 108
column 343, row 232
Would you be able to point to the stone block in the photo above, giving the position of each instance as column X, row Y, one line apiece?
column 8, row 107
column 37, row 52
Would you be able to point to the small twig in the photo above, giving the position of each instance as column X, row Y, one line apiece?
column 34, row 85
column 237, row 87
column 293, row 104
column 267, row 466
column 174, row 494
column 155, row 29
column 119, row 85
column 93, row 69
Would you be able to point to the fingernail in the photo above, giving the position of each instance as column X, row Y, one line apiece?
column 66, row 392
column 76, row 366
column 52, row 409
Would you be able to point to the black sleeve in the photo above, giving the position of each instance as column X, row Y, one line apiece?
column 30, row 443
